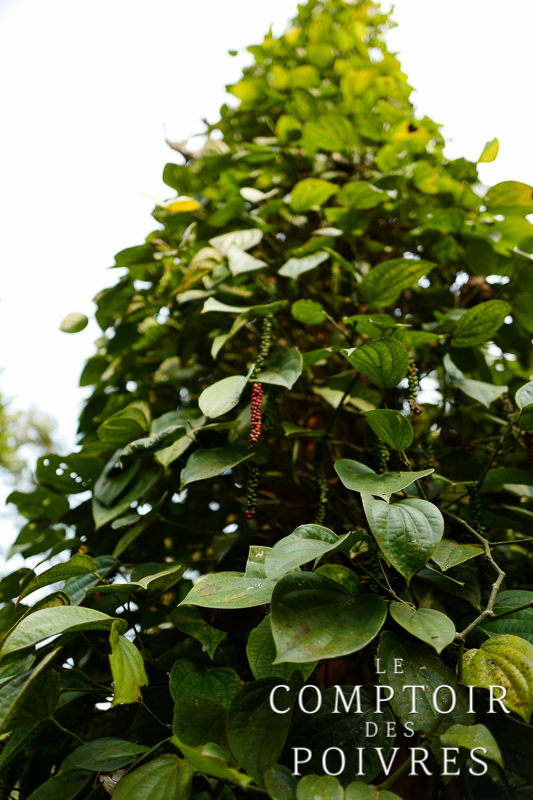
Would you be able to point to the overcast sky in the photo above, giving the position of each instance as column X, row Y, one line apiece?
column 87, row 91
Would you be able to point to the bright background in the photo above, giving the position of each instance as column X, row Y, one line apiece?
column 88, row 91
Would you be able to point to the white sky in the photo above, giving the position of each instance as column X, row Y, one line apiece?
column 86, row 91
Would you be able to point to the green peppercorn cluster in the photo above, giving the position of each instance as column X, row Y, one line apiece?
column 413, row 388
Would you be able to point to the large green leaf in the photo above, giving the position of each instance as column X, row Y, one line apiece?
column 391, row 426
column 311, row 192
column 256, row 733
column 306, row 543
column 51, row 621
column 524, row 395
column 165, row 777
column 244, row 240
column 490, row 151
column 384, row 361
column 239, row 261
column 261, row 652
column 127, row 668
column 407, row 532
column 329, row 132
column 204, row 464
column 198, row 721
column 360, row 478
column 286, row 373
column 105, row 754
column 484, row 393
column 361, row 195
column 235, row 589
column 480, row 323
column 295, row 267
column 432, row 627
column 384, row 283
column 41, row 504
column 341, row 722
column 189, row 678
column 28, row 689
column 519, row 623
column 470, row 737
column 308, row 311
column 449, row 553
column 79, row 564
column 280, row 783
column 123, row 427
column 412, row 664
column 504, row 661
column 510, row 197
column 222, row 396
column 314, row 617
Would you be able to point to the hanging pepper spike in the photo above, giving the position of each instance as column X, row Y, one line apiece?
column 413, row 387
column 256, row 419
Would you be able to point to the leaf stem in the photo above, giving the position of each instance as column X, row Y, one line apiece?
column 66, row 730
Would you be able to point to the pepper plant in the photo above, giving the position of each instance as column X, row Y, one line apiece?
column 306, row 460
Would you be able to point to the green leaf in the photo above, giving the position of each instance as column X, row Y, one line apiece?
column 189, row 678
column 504, row 661
column 286, row 373
column 123, row 427
column 407, row 532
column 190, row 621
column 360, row 478
column 510, row 197
column 306, row 543
column 480, row 323
column 335, row 726
column 519, row 623
column 423, row 668
column 74, row 323
column 384, row 283
column 384, row 361
column 50, row 622
column 256, row 733
column 470, row 737
column 104, row 755
column 346, row 577
column 295, row 267
column 324, row 786
column 204, row 464
column 361, row 195
column 261, row 652
column 222, row 396
column 311, row 192
column 41, row 504
column 198, row 721
column 308, row 311
column 280, row 783
column 134, row 493
column 449, row 553
column 360, row 791
column 484, row 393
column 127, row 668
column 524, row 396
column 314, row 617
column 28, row 691
column 204, row 761
column 432, row 627
column 76, row 588
column 162, row 778
column 239, row 261
column 329, row 132
column 490, row 151
column 235, row 589
column 66, row 785
column 148, row 444
column 79, row 564
column 392, row 427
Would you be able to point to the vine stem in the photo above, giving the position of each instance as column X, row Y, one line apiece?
column 488, row 611
column 66, row 730
column 495, row 453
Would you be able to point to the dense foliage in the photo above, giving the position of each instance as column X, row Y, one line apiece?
column 312, row 391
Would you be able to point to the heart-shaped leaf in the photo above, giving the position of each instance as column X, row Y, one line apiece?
column 391, row 426
column 407, row 532
column 384, row 283
column 104, row 755
column 524, row 395
column 127, row 668
column 190, row 678
column 449, row 553
column 286, row 373
column 239, row 261
column 480, row 323
column 79, row 564
column 164, row 777
column 222, row 396
column 308, row 311
column 314, row 617
column 432, row 627
column 203, row 464
column 295, row 267
column 519, row 623
column 384, row 361
column 470, row 737
column 484, row 393
column 311, row 192
column 244, row 240
column 261, row 652
column 504, row 661
column 360, row 478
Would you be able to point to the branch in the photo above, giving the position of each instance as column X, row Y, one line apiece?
column 489, row 609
